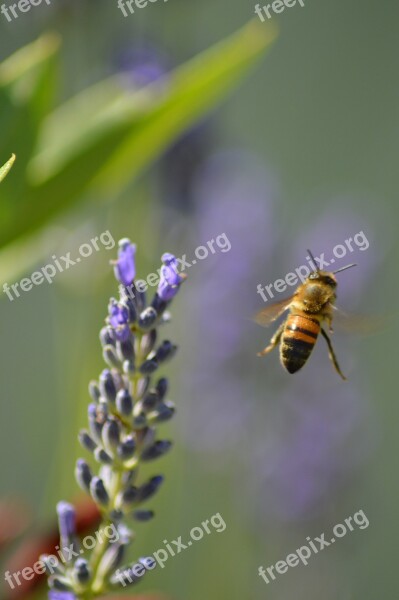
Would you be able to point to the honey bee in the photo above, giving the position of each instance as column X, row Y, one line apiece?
column 311, row 305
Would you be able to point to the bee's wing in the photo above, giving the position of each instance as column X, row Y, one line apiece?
column 359, row 324
column 269, row 314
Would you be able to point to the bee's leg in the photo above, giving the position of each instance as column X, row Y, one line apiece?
column 331, row 354
column 327, row 316
column 274, row 341
column 329, row 323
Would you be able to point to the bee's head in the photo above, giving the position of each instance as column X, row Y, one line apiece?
column 323, row 277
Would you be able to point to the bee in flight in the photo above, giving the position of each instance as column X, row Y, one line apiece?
column 311, row 305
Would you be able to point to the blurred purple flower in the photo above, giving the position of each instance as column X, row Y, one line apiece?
column 312, row 449
column 180, row 164
column 125, row 265
column 143, row 64
column 66, row 520
column 67, row 528
column 234, row 198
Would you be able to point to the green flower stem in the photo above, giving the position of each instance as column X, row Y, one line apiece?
column 97, row 586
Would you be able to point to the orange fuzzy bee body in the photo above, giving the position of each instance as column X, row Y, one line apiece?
column 297, row 341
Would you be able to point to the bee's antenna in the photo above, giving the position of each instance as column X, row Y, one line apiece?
column 344, row 268
column 313, row 260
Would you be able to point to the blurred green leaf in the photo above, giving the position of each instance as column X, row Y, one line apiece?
column 27, row 88
column 116, row 133
column 108, row 134
column 6, row 167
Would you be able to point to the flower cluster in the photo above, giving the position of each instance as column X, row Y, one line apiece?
column 127, row 404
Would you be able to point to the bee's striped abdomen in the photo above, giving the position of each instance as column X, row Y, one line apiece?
column 299, row 337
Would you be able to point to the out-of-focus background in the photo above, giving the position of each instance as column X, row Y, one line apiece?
column 301, row 153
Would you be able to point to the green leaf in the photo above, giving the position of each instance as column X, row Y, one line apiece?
column 27, row 85
column 113, row 134
column 108, row 134
column 6, row 167
column 27, row 89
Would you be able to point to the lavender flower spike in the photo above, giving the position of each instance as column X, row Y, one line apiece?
column 125, row 266
column 170, row 279
column 128, row 404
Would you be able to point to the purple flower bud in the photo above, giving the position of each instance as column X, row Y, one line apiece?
column 143, row 515
column 118, row 314
column 125, row 266
column 66, row 519
column 170, row 279
column 57, row 595
column 118, row 318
